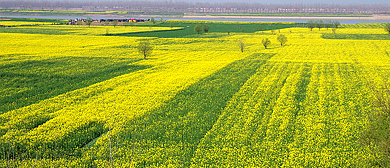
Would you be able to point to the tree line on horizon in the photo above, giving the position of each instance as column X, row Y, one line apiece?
column 322, row 24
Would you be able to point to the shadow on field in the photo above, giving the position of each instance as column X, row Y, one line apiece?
column 28, row 82
column 171, row 133
column 357, row 36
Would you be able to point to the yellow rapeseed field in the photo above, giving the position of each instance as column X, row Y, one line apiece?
column 194, row 102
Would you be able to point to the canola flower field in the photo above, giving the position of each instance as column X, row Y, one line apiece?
column 72, row 96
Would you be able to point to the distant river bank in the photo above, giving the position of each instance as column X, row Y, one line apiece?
column 342, row 20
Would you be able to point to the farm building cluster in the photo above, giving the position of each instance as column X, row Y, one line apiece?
column 74, row 21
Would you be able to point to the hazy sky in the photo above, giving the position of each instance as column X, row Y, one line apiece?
column 296, row 1
column 256, row 1
column 276, row 1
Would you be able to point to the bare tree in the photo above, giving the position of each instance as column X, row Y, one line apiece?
column 198, row 28
column 319, row 24
column 145, row 48
column 171, row 25
column 89, row 21
column 336, row 24
column 241, row 44
column 387, row 27
column 206, row 28
column 153, row 21
column 310, row 24
column 282, row 39
column 327, row 24
column 115, row 22
column 266, row 42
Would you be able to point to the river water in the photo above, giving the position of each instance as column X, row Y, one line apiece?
column 350, row 21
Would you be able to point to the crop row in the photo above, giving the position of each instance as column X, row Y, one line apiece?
column 58, row 126
column 195, row 102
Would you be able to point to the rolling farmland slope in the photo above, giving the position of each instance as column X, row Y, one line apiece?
column 73, row 97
